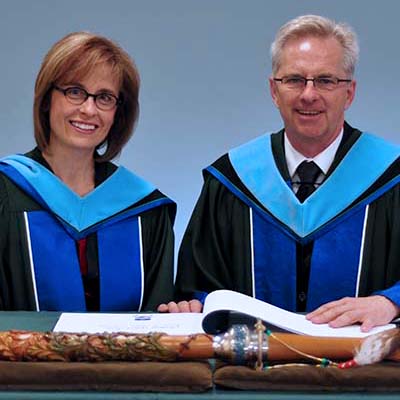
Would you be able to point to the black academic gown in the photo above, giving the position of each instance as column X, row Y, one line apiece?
column 224, row 238
column 129, row 250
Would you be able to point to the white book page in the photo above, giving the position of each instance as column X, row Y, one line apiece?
column 292, row 322
column 172, row 324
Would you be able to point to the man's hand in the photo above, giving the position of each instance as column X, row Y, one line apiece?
column 183, row 306
column 369, row 311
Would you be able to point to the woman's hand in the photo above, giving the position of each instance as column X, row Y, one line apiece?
column 193, row 306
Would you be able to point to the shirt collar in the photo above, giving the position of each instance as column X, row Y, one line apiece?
column 324, row 159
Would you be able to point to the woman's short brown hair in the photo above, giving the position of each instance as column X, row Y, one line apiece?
column 73, row 58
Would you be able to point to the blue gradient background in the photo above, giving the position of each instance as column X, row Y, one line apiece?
column 204, row 68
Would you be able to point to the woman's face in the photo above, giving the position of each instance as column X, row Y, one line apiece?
column 80, row 128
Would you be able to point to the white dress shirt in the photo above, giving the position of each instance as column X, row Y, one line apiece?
column 324, row 160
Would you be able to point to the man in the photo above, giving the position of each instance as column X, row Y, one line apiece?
column 307, row 218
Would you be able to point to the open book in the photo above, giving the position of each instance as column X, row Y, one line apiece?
column 222, row 308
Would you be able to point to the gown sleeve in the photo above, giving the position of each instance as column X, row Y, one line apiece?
column 4, row 222
column 215, row 250
column 382, row 248
column 158, row 257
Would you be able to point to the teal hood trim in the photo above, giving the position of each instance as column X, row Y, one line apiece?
column 118, row 192
column 366, row 161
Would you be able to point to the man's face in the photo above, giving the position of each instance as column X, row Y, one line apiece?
column 313, row 118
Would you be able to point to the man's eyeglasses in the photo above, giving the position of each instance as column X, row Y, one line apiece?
column 320, row 82
column 76, row 95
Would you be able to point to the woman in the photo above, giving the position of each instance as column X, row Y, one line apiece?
column 77, row 232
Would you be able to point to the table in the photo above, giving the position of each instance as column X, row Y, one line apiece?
column 43, row 321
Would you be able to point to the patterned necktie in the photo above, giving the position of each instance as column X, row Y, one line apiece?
column 308, row 173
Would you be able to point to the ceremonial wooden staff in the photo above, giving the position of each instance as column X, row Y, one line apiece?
column 239, row 345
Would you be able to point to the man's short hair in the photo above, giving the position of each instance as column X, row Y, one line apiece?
column 315, row 25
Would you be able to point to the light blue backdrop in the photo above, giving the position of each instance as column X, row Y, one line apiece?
column 204, row 67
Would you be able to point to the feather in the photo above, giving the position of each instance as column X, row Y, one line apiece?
column 377, row 347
